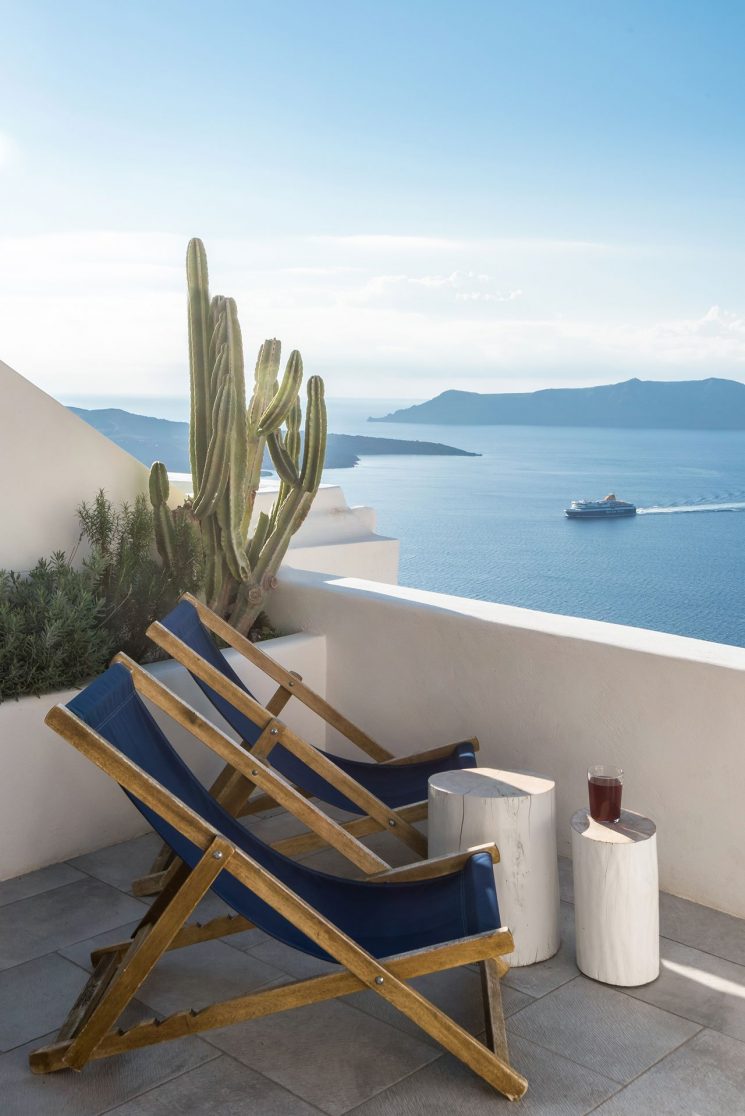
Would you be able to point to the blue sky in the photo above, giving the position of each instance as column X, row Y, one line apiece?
column 418, row 195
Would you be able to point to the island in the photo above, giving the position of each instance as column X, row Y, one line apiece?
column 155, row 439
column 711, row 404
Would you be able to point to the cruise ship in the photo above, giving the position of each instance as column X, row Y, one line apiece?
column 599, row 509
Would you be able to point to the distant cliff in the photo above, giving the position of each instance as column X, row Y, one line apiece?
column 154, row 439
column 711, row 404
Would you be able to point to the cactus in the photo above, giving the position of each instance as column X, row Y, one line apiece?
column 227, row 439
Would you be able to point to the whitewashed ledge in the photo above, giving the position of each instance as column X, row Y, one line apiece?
column 54, row 804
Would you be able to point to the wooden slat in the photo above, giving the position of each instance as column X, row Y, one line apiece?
column 312, row 757
column 303, row 693
column 433, row 754
column 496, row 1031
column 221, row 927
column 435, row 866
column 361, row 827
column 254, row 769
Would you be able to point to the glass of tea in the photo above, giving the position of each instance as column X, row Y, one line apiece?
column 605, row 785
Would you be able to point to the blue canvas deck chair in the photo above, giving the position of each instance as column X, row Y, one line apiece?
column 382, row 931
column 385, row 793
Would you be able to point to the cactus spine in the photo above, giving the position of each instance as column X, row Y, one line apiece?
column 227, row 440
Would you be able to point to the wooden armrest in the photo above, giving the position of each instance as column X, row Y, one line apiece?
column 433, row 754
column 284, row 677
column 437, row 866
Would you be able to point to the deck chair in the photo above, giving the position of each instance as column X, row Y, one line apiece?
column 385, row 793
column 419, row 919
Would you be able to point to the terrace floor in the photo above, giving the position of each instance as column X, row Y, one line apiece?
column 673, row 1047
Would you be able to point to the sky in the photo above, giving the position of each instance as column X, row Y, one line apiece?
column 417, row 194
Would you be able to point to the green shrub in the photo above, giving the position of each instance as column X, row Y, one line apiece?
column 51, row 629
column 126, row 575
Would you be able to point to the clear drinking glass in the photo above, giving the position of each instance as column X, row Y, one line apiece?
column 605, row 784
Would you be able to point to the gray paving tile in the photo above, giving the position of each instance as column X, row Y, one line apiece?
column 566, row 880
column 120, row 864
column 33, row 883
column 457, row 992
column 601, row 1028
column 538, row 980
column 556, row 1087
column 204, row 973
column 706, row 1077
column 698, row 986
column 291, row 961
column 36, row 997
column 45, row 922
column 702, row 928
column 101, row 1086
column 222, row 1087
column 80, row 952
column 329, row 1054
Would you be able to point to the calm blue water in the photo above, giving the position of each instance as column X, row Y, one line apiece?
column 492, row 527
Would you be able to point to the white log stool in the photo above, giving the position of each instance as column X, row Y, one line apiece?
column 516, row 811
column 616, row 898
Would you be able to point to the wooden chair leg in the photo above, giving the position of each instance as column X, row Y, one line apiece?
column 496, row 1033
column 118, row 976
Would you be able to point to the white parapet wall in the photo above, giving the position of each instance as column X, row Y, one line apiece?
column 55, row 804
column 550, row 694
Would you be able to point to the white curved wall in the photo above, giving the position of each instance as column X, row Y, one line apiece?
column 50, row 461
column 551, row 694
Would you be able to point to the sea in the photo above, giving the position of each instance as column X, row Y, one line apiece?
column 493, row 527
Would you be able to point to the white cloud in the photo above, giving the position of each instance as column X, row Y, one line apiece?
column 104, row 312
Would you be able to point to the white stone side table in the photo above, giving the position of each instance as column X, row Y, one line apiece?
column 616, row 898
column 516, row 811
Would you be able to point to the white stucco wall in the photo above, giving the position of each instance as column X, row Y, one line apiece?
column 550, row 694
column 50, row 461
column 55, row 804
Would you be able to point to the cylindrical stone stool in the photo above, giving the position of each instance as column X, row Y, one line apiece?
column 616, row 898
column 516, row 811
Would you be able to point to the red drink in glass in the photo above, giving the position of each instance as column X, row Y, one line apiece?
column 605, row 785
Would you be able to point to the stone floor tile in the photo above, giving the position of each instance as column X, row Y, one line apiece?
column 203, row 974
column 566, row 880
column 601, row 1028
column 120, row 864
column 556, row 1087
column 329, row 1054
column 101, row 1086
column 456, row 991
column 698, row 986
column 36, row 997
column 222, row 1087
column 291, row 961
column 80, row 952
column 33, row 883
column 702, row 928
column 538, row 980
column 45, row 922
column 704, row 1077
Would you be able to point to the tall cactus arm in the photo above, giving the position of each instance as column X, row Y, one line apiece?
column 217, row 464
column 265, row 376
column 284, row 397
column 165, row 531
column 232, row 504
column 199, row 364
column 314, row 450
column 281, row 459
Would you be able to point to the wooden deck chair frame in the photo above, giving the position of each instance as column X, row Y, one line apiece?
column 237, row 796
column 90, row 1030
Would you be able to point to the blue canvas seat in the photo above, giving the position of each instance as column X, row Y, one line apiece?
column 395, row 785
column 384, row 919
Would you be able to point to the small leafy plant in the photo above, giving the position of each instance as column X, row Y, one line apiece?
column 125, row 574
column 52, row 635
